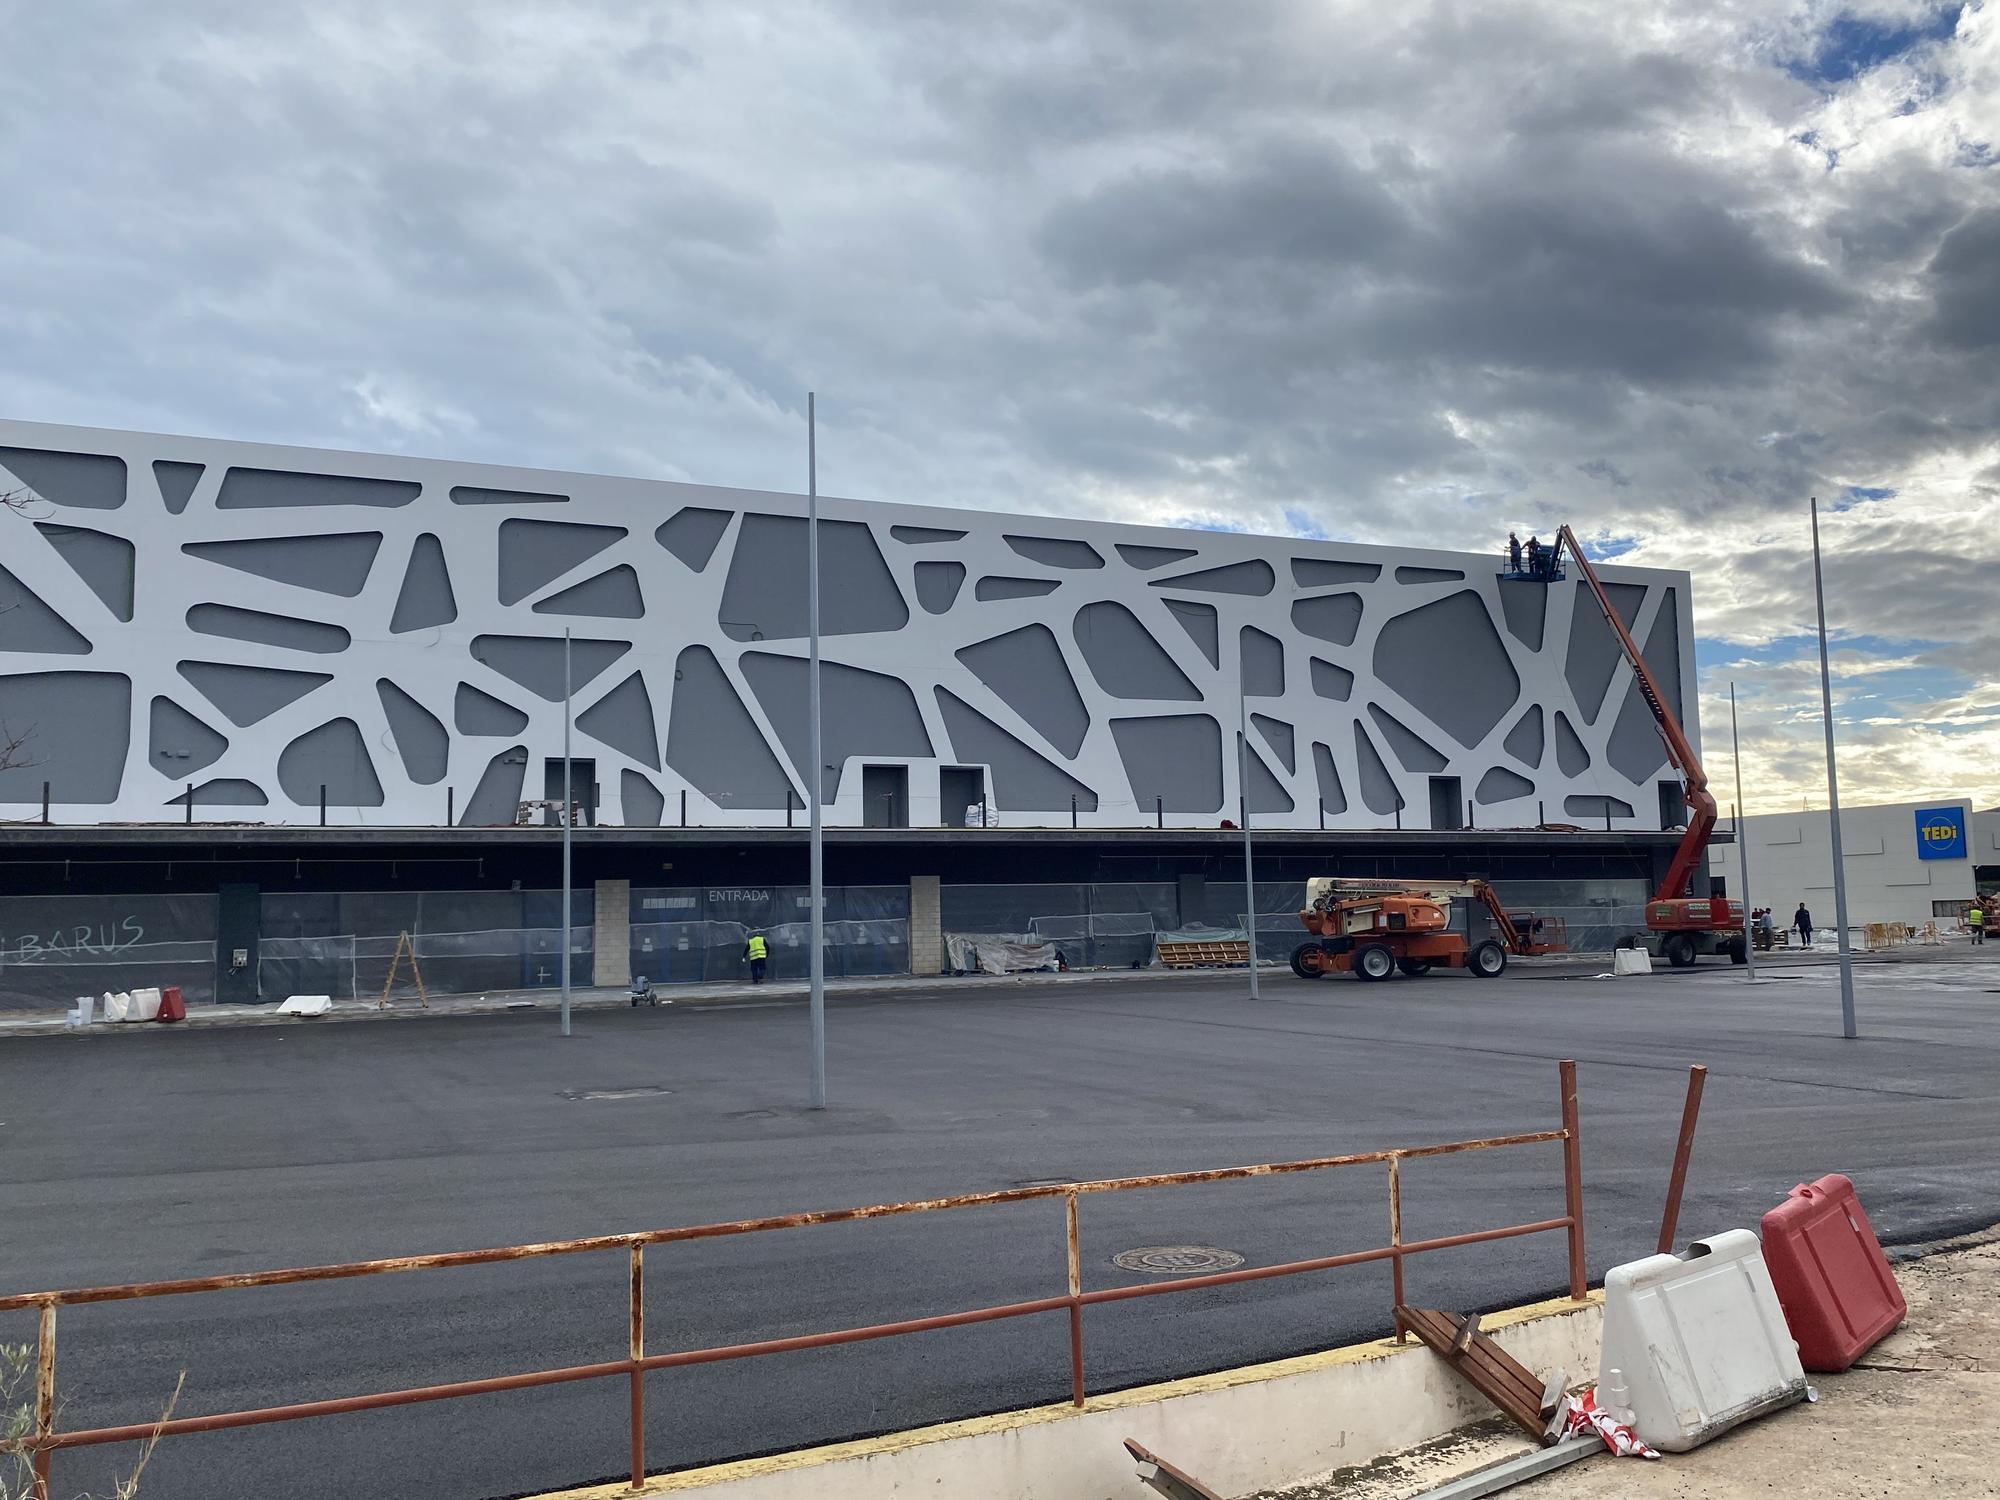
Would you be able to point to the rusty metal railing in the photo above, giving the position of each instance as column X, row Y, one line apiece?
column 46, row 1439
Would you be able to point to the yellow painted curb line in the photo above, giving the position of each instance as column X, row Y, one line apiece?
column 1035, row 1416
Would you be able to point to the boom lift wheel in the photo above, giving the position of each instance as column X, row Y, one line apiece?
column 1487, row 961
column 1416, row 968
column 1679, row 949
column 1374, row 961
column 1306, row 961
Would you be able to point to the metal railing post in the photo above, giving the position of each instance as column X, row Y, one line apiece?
column 638, row 1371
column 1396, row 1235
column 1075, row 1303
column 1579, row 1281
column 1683, row 1149
column 45, row 802
column 45, row 1398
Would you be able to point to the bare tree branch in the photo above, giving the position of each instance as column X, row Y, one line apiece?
column 14, row 747
column 15, row 499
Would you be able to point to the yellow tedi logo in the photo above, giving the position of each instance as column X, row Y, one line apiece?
column 1940, row 833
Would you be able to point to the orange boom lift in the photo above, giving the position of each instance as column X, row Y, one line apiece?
column 1377, row 928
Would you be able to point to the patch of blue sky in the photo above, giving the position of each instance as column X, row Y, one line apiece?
column 1851, row 44
column 1603, row 550
column 1861, row 494
column 1302, row 525
column 1205, row 523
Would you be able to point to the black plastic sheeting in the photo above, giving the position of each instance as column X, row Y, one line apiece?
column 55, row 948
column 467, row 942
column 685, row 935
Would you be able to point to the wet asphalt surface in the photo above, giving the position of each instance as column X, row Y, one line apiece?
column 204, row 1152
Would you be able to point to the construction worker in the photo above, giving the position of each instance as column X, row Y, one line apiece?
column 1535, row 555
column 759, row 954
column 1975, row 922
column 1802, row 920
column 1513, row 552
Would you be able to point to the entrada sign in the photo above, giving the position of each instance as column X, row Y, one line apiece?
column 1940, row 833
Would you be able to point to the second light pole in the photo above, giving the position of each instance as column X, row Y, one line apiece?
column 816, row 1093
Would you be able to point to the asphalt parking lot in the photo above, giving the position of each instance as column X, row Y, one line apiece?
column 237, row 1149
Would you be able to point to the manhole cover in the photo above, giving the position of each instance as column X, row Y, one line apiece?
column 1177, row 1260
column 643, row 1091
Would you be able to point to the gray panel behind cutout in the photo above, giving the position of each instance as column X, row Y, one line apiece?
column 536, row 661
column 1202, row 624
column 1022, row 779
column 1378, row 787
column 87, row 481
column 1410, row 747
column 1525, row 741
column 1428, row 575
column 27, row 624
column 1177, row 759
column 104, row 562
column 176, row 482
column 256, row 489
column 1125, row 659
column 224, row 791
column 1139, row 555
column 426, row 600
column 1025, row 670
column 333, row 564
column 1526, row 606
column 938, row 584
column 1263, row 663
column 1055, row 551
column 334, row 757
column 644, row 804
column 475, row 712
column 693, row 533
column 714, row 743
column 1332, row 795
column 1594, row 652
column 1571, row 756
column 1267, row 793
column 1331, row 681
column 1635, row 749
column 497, row 798
column 535, row 552
column 248, row 694
column 861, row 713
column 611, row 595
column 1319, row 572
column 920, row 536
column 1448, row 661
column 419, row 735
column 996, row 587
column 765, row 594
column 472, row 494
column 178, row 743
column 1280, row 737
column 78, row 726
column 1502, row 785
column 623, row 719
column 287, row 631
column 1253, row 577
column 1333, row 618
column 1597, row 808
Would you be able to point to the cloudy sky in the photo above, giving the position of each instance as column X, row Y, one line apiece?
column 1388, row 272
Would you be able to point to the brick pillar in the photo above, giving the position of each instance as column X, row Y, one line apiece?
column 612, row 957
column 926, row 929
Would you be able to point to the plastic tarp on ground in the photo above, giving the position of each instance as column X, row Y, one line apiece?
column 55, row 948
column 997, row 953
column 1104, row 924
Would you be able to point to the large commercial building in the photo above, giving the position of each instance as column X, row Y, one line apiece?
column 331, row 652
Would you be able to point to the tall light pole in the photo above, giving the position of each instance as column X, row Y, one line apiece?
column 816, row 1096
column 1833, row 798
column 1243, row 800
column 1742, row 843
column 567, row 819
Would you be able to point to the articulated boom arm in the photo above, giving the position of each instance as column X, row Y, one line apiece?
column 1700, row 804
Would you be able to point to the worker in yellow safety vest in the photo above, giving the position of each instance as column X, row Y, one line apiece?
column 759, row 954
column 1975, row 922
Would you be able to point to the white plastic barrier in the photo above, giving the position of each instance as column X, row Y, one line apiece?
column 306, row 1005
column 1631, row 961
column 1700, row 1341
column 116, row 1005
column 81, row 1013
column 145, row 1006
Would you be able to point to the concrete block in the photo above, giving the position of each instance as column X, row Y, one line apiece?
column 926, row 926
column 611, row 954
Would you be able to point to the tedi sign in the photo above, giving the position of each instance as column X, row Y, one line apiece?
column 1940, row 833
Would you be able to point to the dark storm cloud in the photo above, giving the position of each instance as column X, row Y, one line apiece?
column 1965, row 283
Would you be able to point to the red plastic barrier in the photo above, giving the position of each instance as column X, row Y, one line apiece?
column 1833, row 1280
column 172, row 1007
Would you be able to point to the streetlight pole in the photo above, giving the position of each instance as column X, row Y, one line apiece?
column 1742, row 843
column 816, row 1096
column 1847, row 1028
column 567, row 819
column 1243, row 800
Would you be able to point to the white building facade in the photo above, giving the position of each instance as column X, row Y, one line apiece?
column 223, row 630
column 1906, row 862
